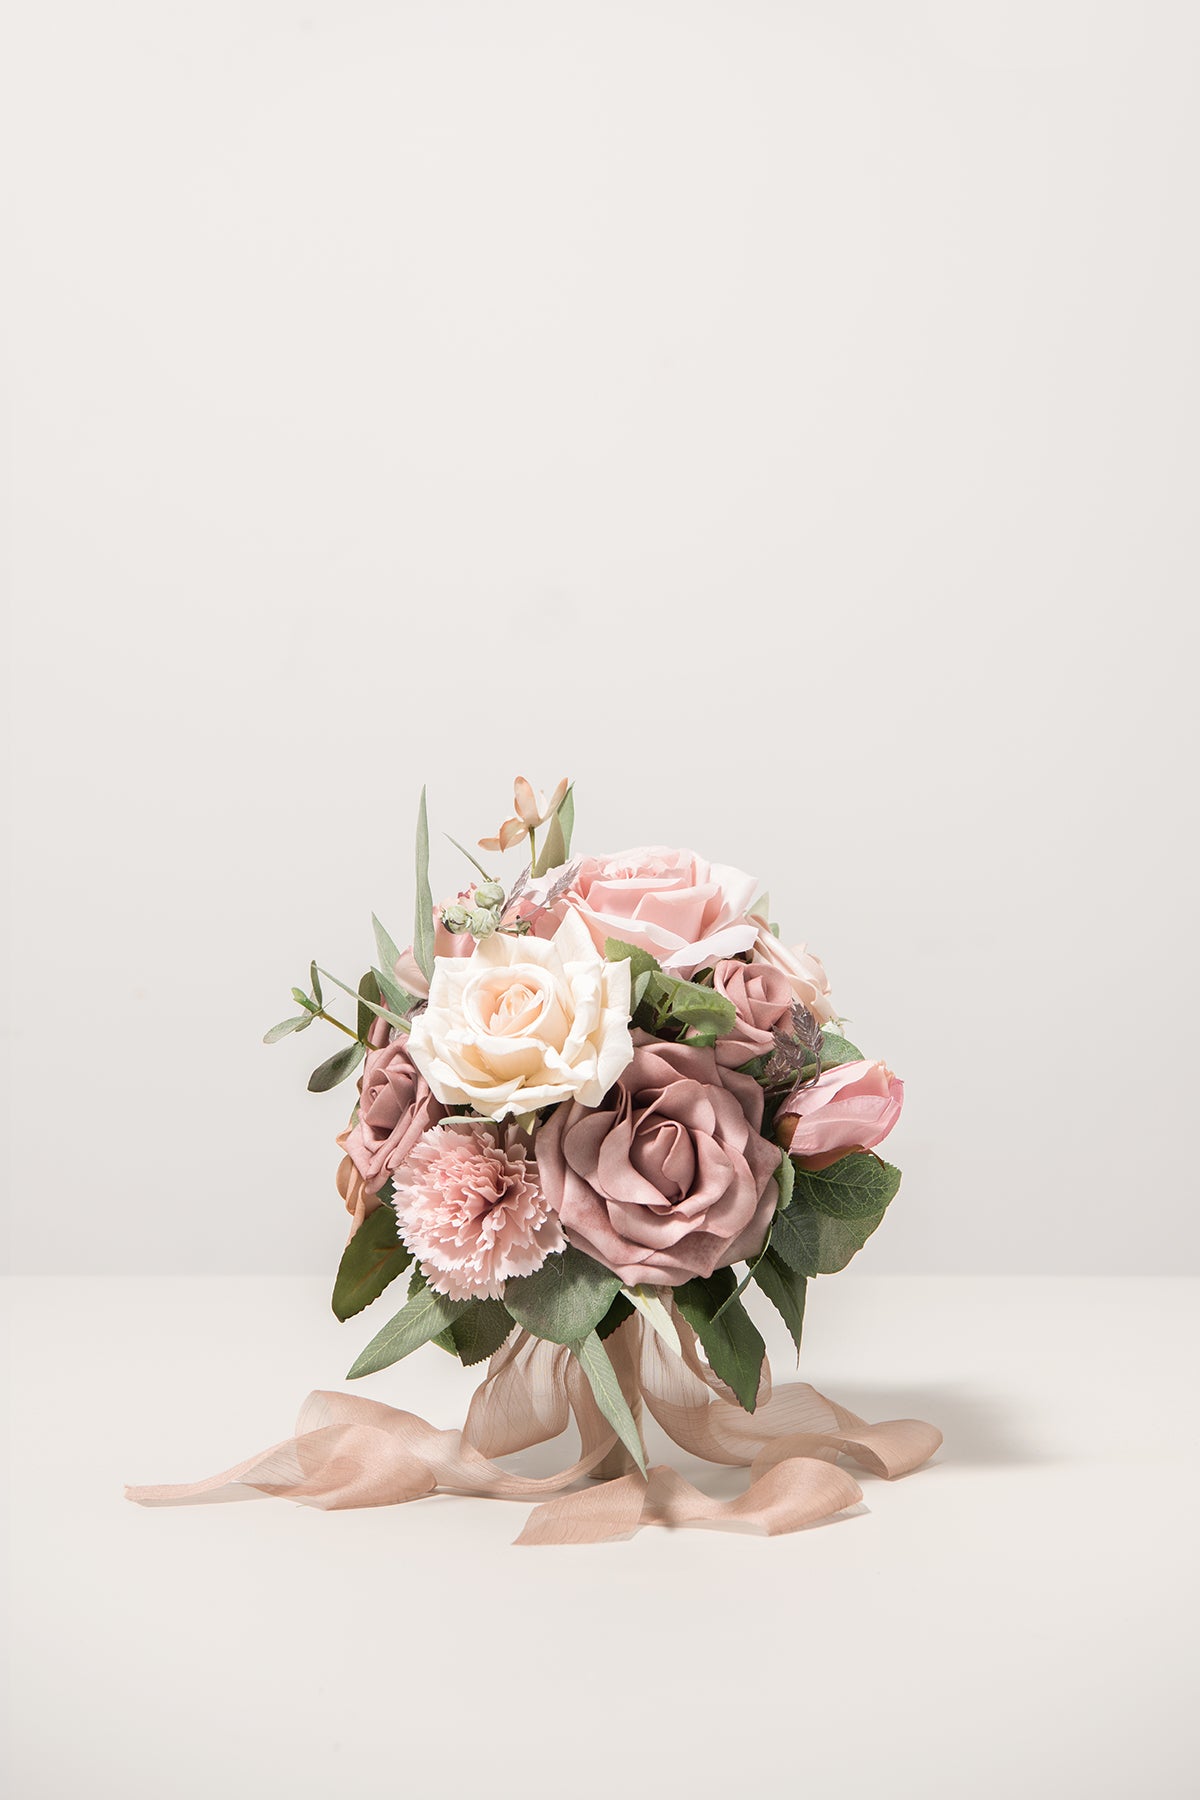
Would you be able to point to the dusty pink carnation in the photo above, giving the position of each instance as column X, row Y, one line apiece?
column 470, row 1207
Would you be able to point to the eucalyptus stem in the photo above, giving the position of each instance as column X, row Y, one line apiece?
column 330, row 1020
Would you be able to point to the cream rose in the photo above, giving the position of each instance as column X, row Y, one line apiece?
column 524, row 1023
column 810, row 984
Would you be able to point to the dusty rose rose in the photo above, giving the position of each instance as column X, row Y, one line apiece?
column 849, row 1108
column 359, row 1201
column 470, row 1207
column 395, row 1106
column 683, row 910
column 669, row 1176
column 762, row 997
column 810, row 984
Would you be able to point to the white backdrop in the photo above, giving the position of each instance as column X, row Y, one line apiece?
column 781, row 418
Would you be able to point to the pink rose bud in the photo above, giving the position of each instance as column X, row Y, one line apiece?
column 851, row 1108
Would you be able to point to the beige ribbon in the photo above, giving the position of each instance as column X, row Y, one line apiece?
column 351, row 1451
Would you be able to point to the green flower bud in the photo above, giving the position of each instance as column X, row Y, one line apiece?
column 456, row 919
column 481, row 923
column 489, row 895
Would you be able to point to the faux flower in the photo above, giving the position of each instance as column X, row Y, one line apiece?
column 532, row 809
column 524, row 1023
column 849, row 1108
column 360, row 1201
column 408, row 970
column 762, row 998
column 470, row 1207
column 395, row 1106
column 810, row 984
column 669, row 1177
column 683, row 910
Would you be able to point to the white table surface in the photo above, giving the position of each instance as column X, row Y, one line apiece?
column 1015, row 1620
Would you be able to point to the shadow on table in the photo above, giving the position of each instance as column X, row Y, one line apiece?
column 982, row 1429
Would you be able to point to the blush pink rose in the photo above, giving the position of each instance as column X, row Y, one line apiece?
column 686, row 912
column 762, row 999
column 669, row 1176
column 408, row 971
column 395, row 1107
column 810, row 984
column 851, row 1108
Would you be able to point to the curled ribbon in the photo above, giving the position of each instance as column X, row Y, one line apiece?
column 351, row 1451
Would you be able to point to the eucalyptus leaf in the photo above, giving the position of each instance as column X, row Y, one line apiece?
column 399, row 1000
column 285, row 1028
column 554, row 847
column 423, row 1317
column 423, row 923
column 368, row 996
column 565, row 1299
column 854, row 1187
column 380, row 1012
column 302, row 999
column 566, row 819
column 373, row 1258
column 470, row 858
column 389, row 956
column 594, row 1361
column 785, row 1289
column 731, row 1342
column 336, row 1068
column 315, row 979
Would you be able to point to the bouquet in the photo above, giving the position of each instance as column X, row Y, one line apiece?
column 595, row 1103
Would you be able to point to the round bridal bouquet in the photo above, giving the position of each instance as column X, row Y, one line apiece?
column 603, row 1088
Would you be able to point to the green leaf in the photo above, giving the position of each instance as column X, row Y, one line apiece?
column 593, row 1358
column 837, row 1050
column 389, row 956
column 399, row 1000
column 302, row 999
column 812, row 1243
column 316, row 983
column 706, row 1014
column 784, row 1289
column 554, row 847
column 339, row 1065
column 640, row 961
column 479, row 1330
column 423, row 926
column 621, row 1309
column 470, row 858
column 373, row 1258
column 785, row 1176
column 423, row 1317
column 566, row 819
column 381, row 1012
column 732, row 1343
column 368, row 996
column 655, row 1314
column 565, row 1299
column 854, row 1187
column 285, row 1028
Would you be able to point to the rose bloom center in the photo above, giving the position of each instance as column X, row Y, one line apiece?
column 515, row 1002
